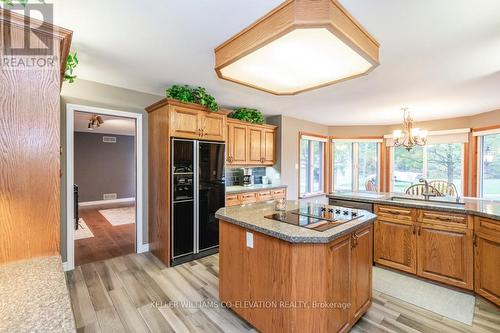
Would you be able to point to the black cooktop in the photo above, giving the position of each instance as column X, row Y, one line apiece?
column 317, row 217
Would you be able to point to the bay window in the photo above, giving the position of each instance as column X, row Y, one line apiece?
column 356, row 164
column 441, row 162
column 489, row 164
column 312, row 170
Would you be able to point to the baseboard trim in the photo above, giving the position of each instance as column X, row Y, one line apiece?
column 144, row 248
column 101, row 202
column 66, row 266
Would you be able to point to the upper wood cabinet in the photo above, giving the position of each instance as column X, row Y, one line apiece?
column 487, row 259
column 237, row 143
column 255, row 140
column 250, row 144
column 195, row 123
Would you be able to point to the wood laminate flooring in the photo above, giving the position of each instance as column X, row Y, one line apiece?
column 108, row 242
column 131, row 294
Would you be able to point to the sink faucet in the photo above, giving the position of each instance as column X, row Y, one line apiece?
column 427, row 194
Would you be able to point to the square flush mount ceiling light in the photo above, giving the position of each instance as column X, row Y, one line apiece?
column 300, row 45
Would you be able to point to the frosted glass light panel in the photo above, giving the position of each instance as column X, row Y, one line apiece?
column 300, row 60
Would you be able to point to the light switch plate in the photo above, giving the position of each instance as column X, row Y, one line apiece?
column 249, row 240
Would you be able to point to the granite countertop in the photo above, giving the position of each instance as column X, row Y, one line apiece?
column 253, row 188
column 473, row 206
column 34, row 297
column 252, row 217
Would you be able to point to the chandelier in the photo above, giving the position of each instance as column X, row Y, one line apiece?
column 409, row 137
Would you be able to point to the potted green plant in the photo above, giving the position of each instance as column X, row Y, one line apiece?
column 253, row 116
column 186, row 94
column 71, row 64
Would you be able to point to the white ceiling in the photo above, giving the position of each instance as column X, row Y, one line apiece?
column 439, row 57
column 112, row 125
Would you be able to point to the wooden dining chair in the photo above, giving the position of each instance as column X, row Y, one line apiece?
column 444, row 187
column 370, row 185
column 419, row 189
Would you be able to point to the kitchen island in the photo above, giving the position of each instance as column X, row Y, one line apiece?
column 288, row 278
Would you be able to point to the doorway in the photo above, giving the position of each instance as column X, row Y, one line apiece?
column 104, row 184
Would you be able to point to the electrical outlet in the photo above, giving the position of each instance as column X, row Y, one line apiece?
column 249, row 240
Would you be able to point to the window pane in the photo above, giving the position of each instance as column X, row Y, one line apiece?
column 445, row 163
column 342, row 167
column 317, row 151
column 368, row 166
column 490, row 175
column 408, row 168
column 304, row 166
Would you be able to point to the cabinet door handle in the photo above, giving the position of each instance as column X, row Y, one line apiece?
column 413, row 229
column 419, row 230
column 443, row 218
column 474, row 240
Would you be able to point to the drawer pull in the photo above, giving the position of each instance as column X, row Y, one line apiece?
column 393, row 212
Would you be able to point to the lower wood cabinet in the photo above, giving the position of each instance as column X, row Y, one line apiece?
column 255, row 196
column 487, row 259
column 395, row 245
column 430, row 244
column 361, row 272
column 445, row 255
column 337, row 274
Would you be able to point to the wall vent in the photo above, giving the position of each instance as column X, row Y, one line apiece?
column 109, row 139
column 109, row 196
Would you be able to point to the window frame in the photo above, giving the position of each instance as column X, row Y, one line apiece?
column 478, row 139
column 355, row 160
column 313, row 138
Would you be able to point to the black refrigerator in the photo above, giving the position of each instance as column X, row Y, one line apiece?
column 198, row 191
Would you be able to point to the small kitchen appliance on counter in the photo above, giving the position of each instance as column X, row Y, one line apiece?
column 248, row 177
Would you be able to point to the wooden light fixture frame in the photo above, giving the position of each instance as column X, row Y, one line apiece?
column 292, row 15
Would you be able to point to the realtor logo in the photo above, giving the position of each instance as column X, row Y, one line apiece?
column 36, row 48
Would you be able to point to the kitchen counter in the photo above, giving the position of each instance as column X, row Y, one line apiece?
column 252, row 217
column 34, row 297
column 473, row 206
column 253, row 188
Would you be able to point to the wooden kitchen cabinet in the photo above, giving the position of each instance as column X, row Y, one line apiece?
column 277, row 270
column 268, row 146
column 237, row 143
column 339, row 287
column 250, row 144
column 196, row 123
column 431, row 244
column 395, row 238
column 213, row 126
column 255, row 138
column 444, row 254
column 254, row 196
column 487, row 259
column 361, row 272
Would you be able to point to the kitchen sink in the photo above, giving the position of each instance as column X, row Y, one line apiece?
column 439, row 201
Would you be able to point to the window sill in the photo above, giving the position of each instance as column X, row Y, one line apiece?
column 311, row 195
